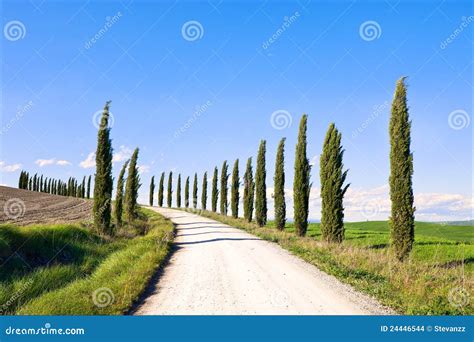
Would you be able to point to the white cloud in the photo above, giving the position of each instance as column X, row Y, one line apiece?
column 143, row 169
column 122, row 154
column 52, row 161
column 9, row 167
column 63, row 163
column 89, row 162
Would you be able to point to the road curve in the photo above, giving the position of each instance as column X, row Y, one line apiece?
column 220, row 270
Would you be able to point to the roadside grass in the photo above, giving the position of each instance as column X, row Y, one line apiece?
column 70, row 270
column 436, row 280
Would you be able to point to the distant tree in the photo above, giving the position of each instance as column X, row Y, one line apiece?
column 178, row 192
column 332, row 187
column 249, row 190
column 131, row 188
column 161, row 190
column 119, row 195
column 402, row 220
column 41, row 184
column 30, row 184
column 215, row 191
column 186, row 193
column 235, row 196
column 204, row 192
column 224, row 181
column 261, row 187
column 103, row 182
column 301, row 184
column 152, row 190
column 20, row 181
column 35, row 182
column 195, row 191
column 170, row 190
column 83, row 187
column 89, row 187
column 279, row 180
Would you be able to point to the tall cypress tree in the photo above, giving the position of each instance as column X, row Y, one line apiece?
column 224, row 180
column 161, row 189
column 402, row 220
column 215, row 190
column 195, row 191
column 89, row 187
column 186, row 193
column 261, row 186
column 249, row 190
column 178, row 192
column 301, row 184
column 103, row 182
column 332, row 187
column 119, row 195
column 170, row 190
column 83, row 187
column 279, row 180
column 235, row 196
column 204, row 192
column 152, row 190
column 131, row 188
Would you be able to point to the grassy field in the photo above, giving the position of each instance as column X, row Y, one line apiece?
column 69, row 270
column 436, row 280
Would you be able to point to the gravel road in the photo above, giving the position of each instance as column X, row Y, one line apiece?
column 220, row 270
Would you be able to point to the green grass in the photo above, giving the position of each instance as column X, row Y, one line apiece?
column 442, row 262
column 68, row 269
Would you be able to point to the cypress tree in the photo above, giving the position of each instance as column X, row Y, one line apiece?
column 224, row 180
column 131, row 188
column 170, row 190
column 35, row 180
column 103, row 182
column 20, row 181
column 30, row 184
column 402, row 220
column 301, row 184
column 41, row 184
column 152, row 190
column 249, row 190
column 235, row 196
column 178, row 192
column 83, row 187
column 332, row 187
column 279, row 180
column 215, row 191
column 195, row 191
column 161, row 190
column 204, row 192
column 119, row 195
column 261, row 187
column 89, row 187
column 186, row 193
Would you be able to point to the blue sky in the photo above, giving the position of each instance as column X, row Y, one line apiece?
column 191, row 101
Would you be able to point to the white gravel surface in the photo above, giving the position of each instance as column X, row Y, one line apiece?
column 220, row 270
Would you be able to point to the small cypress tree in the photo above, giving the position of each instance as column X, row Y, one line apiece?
column 83, row 187
column 301, row 184
column 103, row 183
column 170, row 190
column 20, row 181
column 152, row 190
column 402, row 220
column 186, row 193
column 195, row 191
column 224, row 180
column 332, row 187
column 131, row 188
column 161, row 190
column 204, row 192
column 89, row 187
column 178, row 192
column 279, row 180
column 249, row 191
column 119, row 195
column 215, row 190
column 261, row 187
column 235, row 196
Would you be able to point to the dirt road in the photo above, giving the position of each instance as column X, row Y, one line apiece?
column 220, row 270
